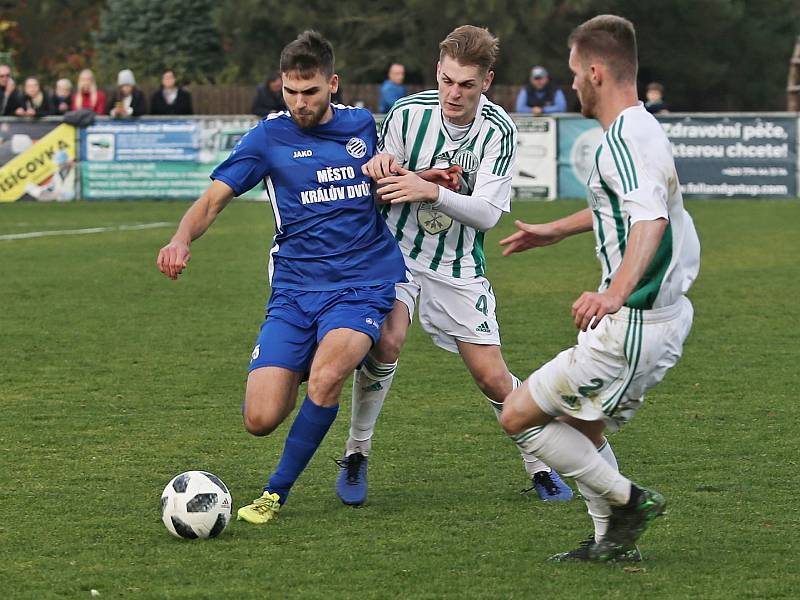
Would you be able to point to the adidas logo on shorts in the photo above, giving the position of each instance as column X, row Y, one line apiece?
column 483, row 328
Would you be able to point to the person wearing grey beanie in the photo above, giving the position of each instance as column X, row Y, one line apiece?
column 127, row 100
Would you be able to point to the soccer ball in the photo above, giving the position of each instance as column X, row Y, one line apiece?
column 196, row 504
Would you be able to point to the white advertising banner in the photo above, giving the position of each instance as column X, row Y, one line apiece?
column 534, row 174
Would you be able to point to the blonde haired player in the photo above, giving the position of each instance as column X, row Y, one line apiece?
column 633, row 328
column 444, row 173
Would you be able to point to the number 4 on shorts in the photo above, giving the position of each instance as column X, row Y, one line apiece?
column 482, row 305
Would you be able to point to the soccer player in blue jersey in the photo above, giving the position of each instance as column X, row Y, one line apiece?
column 332, row 266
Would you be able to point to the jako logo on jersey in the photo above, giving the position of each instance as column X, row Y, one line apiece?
column 356, row 147
column 256, row 352
column 302, row 153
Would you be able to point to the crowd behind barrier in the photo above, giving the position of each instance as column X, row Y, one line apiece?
column 540, row 95
column 717, row 155
column 237, row 99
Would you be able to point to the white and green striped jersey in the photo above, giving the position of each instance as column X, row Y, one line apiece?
column 414, row 133
column 634, row 179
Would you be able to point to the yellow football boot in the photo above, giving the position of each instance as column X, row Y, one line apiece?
column 262, row 510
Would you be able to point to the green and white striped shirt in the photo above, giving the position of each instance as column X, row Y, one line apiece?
column 634, row 179
column 414, row 133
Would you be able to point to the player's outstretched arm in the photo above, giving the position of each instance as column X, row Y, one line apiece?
column 380, row 166
column 406, row 186
column 173, row 258
column 530, row 235
column 643, row 241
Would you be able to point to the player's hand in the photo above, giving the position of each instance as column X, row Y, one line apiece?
column 380, row 166
column 173, row 258
column 591, row 307
column 449, row 178
column 406, row 186
column 529, row 236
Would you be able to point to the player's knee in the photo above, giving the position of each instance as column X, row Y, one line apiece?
column 325, row 384
column 259, row 423
column 512, row 420
column 516, row 416
column 494, row 383
column 387, row 350
column 258, row 426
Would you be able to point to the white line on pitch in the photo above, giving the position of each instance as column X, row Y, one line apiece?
column 37, row 234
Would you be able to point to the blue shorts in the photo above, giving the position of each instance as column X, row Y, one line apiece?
column 297, row 320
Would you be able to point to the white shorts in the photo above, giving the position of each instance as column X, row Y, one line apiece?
column 605, row 376
column 451, row 308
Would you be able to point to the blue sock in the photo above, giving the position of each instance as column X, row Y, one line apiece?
column 309, row 428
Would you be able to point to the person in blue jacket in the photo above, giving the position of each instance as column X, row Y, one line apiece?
column 540, row 95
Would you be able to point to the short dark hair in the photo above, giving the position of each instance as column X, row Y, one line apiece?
column 307, row 55
column 612, row 40
column 655, row 86
column 471, row 45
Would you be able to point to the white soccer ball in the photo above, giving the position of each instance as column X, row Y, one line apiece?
column 196, row 504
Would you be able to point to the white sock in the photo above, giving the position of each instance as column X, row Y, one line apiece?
column 598, row 507
column 572, row 454
column 370, row 386
column 532, row 464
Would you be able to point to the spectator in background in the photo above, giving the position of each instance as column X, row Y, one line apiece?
column 540, row 95
column 392, row 89
column 127, row 100
column 654, row 99
column 269, row 96
column 88, row 96
column 171, row 99
column 35, row 101
column 62, row 99
column 9, row 99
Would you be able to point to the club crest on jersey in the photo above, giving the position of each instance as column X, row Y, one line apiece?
column 469, row 164
column 467, row 160
column 356, row 147
column 432, row 221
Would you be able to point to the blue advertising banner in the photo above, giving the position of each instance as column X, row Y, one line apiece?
column 716, row 156
column 729, row 155
column 578, row 139
column 157, row 158
column 124, row 141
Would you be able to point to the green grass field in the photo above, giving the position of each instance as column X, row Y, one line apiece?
column 113, row 379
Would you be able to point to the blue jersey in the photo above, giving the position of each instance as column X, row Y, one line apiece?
column 329, row 234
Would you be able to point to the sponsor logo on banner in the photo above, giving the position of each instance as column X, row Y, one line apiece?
column 43, row 169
